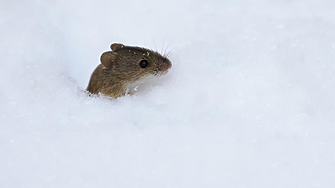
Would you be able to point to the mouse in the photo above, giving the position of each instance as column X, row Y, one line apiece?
column 125, row 67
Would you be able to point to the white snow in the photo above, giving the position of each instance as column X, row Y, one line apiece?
column 249, row 101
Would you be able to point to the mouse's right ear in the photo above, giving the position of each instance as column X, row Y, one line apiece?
column 108, row 59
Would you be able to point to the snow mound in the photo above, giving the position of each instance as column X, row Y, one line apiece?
column 249, row 101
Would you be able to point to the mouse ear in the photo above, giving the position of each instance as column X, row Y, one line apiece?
column 116, row 46
column 108, row 59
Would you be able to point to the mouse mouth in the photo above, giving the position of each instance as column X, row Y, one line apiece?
column 160, row 73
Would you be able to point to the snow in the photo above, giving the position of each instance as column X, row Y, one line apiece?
column 249, row 101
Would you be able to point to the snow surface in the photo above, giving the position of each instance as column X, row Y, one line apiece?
column 249, row 101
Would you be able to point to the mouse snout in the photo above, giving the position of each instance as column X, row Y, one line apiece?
column 165, row 66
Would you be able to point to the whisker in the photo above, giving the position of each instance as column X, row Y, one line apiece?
column 163, row 42
column 168, row 54
column 155, row 43
column 167, row 47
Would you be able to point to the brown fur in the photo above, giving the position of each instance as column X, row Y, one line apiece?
column 120, row 68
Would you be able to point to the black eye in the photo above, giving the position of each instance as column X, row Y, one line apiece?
column 144, row 63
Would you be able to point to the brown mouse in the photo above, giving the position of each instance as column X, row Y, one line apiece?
column 125, row 67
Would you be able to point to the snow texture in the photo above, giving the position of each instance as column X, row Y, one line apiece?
column 249, row 101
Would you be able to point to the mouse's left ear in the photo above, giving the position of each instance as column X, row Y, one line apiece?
column 116, row 46
column 108, row 59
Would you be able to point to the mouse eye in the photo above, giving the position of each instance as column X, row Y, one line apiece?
column 144, row 63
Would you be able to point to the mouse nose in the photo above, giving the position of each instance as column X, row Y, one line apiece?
column 167, row 65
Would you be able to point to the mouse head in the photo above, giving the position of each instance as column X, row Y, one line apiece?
column 134, row 63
